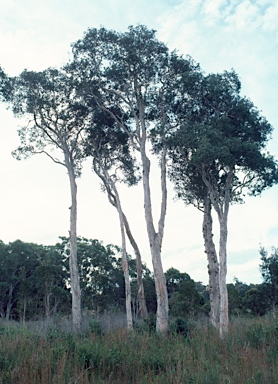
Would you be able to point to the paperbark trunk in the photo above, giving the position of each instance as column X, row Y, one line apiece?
column 124, row 261
column 155, row 239
column 74, row 273
column 223, row 222
column 221, row 204
column 105, row 177
column 213, row 265
column 143, row 312
column 224, row 317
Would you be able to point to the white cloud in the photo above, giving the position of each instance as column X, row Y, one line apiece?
column 245, row 17
column 270, row 19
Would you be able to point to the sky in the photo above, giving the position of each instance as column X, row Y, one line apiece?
column 219, row 35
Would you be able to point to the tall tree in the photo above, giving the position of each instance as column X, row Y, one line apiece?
column 57, row 120
column 132, row 72
column 190, row 188
column 126, row 67
column 224, row 139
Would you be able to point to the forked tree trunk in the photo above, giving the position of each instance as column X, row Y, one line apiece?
column 213, row 265
column 74, row 273
column 221, row 204
column 107, row 181
column 155, row 239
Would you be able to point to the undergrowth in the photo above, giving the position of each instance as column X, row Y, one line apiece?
column 191, row 353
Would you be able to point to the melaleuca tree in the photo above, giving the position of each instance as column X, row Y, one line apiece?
column 218, row 152
column 56, row 122
column 132, row 73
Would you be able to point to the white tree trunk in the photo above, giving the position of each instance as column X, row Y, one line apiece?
column 114, row 199
column 224, row 316
column 74, row 273
column 213, row 265
column 221, row 204
column 143, row 312
column 155, row 239
column 106, row 178
column 124, row 261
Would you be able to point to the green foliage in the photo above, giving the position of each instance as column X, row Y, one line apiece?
column 32, row 281
column 251, row 300
column 184, row 299
column 223, row 132
column 95, row 327
column 269, row 271
column 101, row 275
column 179, row 326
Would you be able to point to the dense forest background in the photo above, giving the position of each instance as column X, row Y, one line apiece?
column 35, row 283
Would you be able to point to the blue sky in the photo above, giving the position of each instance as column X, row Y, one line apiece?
column 220, row 35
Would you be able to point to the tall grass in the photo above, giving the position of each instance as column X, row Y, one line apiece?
column 55, row 356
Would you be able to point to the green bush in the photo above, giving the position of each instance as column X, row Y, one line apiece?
column 95, row 327
column 179, row 326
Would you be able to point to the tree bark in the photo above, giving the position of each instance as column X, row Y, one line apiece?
column 155, row 239
column 74, row 273
column 124, row 260
column 224, row 317
column 213, row 265
column 107, row 181
column 221, row 204
column 143, row 312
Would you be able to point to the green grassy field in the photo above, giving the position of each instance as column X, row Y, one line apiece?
column 53, row 356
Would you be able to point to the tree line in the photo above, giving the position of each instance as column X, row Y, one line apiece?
column 122, row 99
column 35, row 283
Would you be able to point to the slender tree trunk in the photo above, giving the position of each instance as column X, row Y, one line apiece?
column 221, row 204
column 213, row 265
column 223, row 222
column 105, row 177
column 124, row 261
column 47, row 297
column 10, row 302
column 224, row 316
column 74, row 274
column 155, row 240
column 143, row 312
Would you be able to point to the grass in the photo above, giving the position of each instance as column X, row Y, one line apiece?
column 55, row 356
